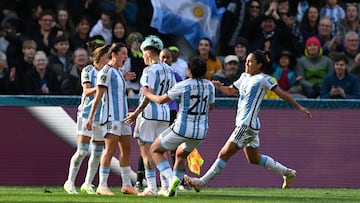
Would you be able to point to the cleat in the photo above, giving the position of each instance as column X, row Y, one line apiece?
column 193, row 182
column 139, row 186
column 147, row 192
column 288, row 178
column 88, row 189
column 163, row 192
column 104, row 191
column 129, row 191
column 70, row 188
column 175, row 182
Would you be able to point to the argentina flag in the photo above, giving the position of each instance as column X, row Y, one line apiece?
column 193, row 19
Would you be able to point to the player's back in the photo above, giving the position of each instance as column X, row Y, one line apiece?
column 195, row 95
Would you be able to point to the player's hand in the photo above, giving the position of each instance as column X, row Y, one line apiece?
column 307, row 112
column 217, row 83
column 129, row 75
column 130, row 118
column 89, row 125
column 144, row 91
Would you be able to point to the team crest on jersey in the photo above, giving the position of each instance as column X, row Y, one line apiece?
column 86, row 77
column 102, row 79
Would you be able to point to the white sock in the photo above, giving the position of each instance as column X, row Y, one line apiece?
column 76, row 160
column 93, row 163
column 150, row 175
column 125, row 176
column 215, row 169
column 271, row 164
column 103, row 176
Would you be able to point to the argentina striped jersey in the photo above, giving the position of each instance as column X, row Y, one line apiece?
column 159, row 77
column 114, row 105
column 252, row 89
column 88, row 75
column 195, row 97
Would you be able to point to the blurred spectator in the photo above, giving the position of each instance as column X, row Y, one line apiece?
column 253, row 10
column 334, row 11
column 24, row 62
column 352, row 51
column 60, row 57
column 88, row 8
column 228, row 74
column 46, row 34
column 269, row 33
column 81, row 35
column 71, row 80
column 30, row 14
column 309, row 23
column 9, row 83
column 240, row 50
column 350, row 22
column 340, row 84
column 284, row 72
column 103, row 26
column 179, row 65
column 283, row 10
column 135, row 62
column 40, row 80
column 14, row 33
column 119, row 31
column 213, row 64
column 330, row 43
column 64, row 22
column 312, row 68
column 234, row 13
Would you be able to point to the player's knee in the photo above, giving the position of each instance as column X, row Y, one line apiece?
column 82, row 153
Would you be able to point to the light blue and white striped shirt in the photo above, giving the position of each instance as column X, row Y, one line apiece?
column 159, row 77
column 195, row 97
column 88, row 75
column 114, row 101
column 252, row 89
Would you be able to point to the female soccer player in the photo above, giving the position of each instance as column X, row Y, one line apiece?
column 197, row 96
column 252, row 86
column 111, row 90
column 88, row 80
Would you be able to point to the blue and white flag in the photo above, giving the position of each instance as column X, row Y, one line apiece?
column 193, row 19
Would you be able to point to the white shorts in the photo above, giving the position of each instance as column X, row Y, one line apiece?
column 96, row 134
column 147, row 130
column 244, row 136
column 118, row 128
column 170, row 141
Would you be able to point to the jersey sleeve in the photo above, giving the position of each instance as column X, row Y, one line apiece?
column 176, row 91
column 103, row 77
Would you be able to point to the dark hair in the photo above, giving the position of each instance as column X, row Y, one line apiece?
column 265, row 58
column 47, row 12
column 115, row 48
column 211, row 55
column 340, row 57
column 100, row 51
column 197, row 66
column 94, row 42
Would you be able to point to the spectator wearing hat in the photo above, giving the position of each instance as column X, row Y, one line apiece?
column 284, row 72
column 228, row 74
column 312, row 68
column 340, row 84
column 241, row 50
column 179, row 65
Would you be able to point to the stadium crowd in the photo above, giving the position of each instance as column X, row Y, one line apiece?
column 290, row 30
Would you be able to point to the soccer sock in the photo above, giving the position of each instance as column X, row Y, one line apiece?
column 125, row 176
column 271, row 164
column 93, row 163
column 179, row 174
column 215, row 169
column 76, row 160
column 150, row 175
column 165, row 173
column 103, row 176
